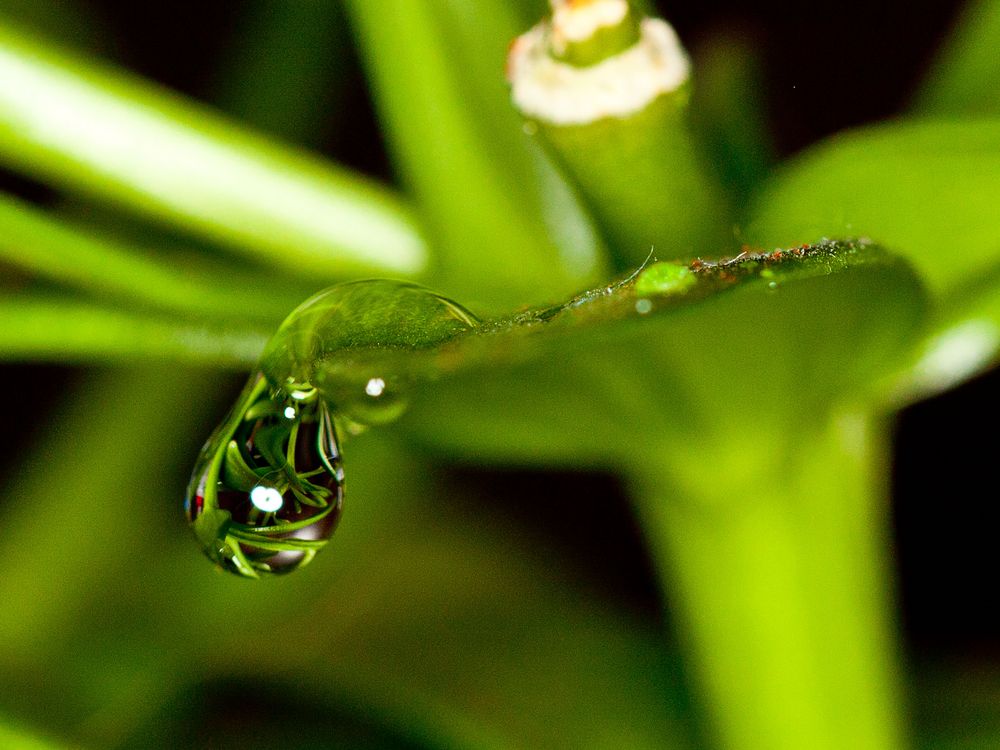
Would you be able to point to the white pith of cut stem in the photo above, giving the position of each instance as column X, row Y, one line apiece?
column 562, row 94
column 578, row 22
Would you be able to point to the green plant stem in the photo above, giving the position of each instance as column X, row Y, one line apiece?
column 645, row 181
column 611, row 104
column 90, row 129
column 780, row 580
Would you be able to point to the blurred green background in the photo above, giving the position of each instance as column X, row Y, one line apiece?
column 463, row 603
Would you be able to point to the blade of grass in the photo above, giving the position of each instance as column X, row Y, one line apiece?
column 85, row 127
column 63, row 330
column 35, row 241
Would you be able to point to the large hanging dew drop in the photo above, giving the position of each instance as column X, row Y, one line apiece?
column 268, row 488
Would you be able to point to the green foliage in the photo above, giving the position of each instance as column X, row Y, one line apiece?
column 964, row 80
column 739, row 400
column 86, row 128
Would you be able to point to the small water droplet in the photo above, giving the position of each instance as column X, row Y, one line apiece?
column 644, row 306
column 664, row 278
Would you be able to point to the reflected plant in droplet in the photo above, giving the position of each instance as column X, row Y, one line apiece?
column 268, row 488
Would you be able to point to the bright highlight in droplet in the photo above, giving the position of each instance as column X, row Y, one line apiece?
column 375, row 387
column 289, row 412
column 266, row 499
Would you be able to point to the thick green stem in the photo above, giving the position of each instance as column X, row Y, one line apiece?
column 646, row 183
column 780, row 582
column 610, row 101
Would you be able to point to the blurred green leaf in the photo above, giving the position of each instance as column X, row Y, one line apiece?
column 506, row 228
column 965, row 78
column 34, row 241
column 64, row 330
column 452, row 631
column 16, row 739
column 285, row 71
column 926, row 189
column 88, row 128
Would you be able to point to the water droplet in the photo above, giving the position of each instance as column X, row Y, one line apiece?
column 664, row 278
column 644, row 306
column 353, row 344
column 268, row 487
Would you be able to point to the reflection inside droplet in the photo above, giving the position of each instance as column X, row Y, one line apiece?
column 267, row 499
column 375, row 387
column 268, row 488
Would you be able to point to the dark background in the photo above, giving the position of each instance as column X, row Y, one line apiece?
column 826, row 66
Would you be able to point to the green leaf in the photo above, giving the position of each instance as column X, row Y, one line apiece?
column 929, row 191
column 87, row 128
column 503, row 222
column 689, row 372
column 926, row 189
column 34, row 241
column 57, row 329
column 725, row 403
column 965, row 78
